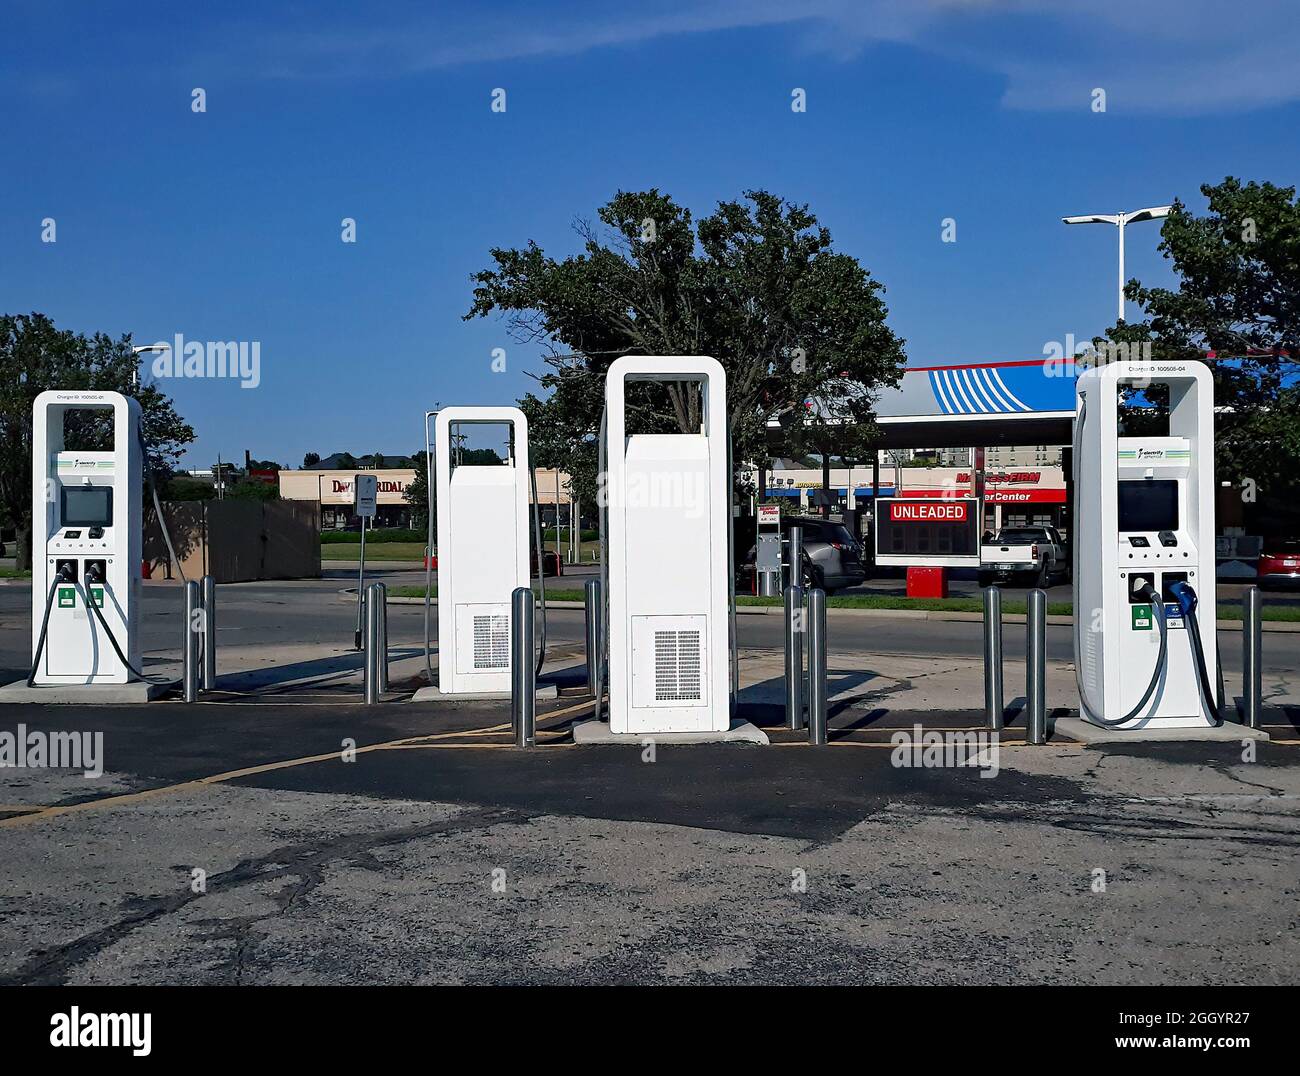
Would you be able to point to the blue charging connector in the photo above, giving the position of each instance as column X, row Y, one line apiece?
column 1185, row 596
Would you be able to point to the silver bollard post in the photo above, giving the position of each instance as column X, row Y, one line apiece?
column 994, row 706
column 1036, row 668
column 794, row 626
column 370, row 664
column 380, row 590
column 794, row 566
column 591, row 599
column 1252, row 648
column 190, row 651
column 523, row 669
column 208, row 593
column 817, row 666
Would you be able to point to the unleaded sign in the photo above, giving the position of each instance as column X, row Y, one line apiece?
column 928, row 511
column 934, row 532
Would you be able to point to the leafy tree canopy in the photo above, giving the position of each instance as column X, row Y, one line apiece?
column 1238, row 297
column 36, row 356
column 756, row 285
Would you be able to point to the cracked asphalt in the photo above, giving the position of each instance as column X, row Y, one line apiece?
column 210, row 853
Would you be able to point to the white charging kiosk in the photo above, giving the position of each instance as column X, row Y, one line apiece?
column 482, row 532
column 666, row 501
column 1144, row 535
column 86, row 544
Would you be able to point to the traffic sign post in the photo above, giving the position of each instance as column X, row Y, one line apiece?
column 365, row 503
column 767, row 553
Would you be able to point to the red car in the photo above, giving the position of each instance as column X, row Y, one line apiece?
column 1279, row 562
column 550, row 558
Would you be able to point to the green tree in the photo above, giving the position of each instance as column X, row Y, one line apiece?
column 253, row 491
column 850, row 435
column 35, row 356
column 756, row 284
column 310, row 460
column 417, row 493
column 1238, row 296
column 188, row 489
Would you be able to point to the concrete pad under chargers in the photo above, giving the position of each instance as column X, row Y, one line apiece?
column 94, row 694
column 432, row 694
column 1078, row 728
column 597, row 732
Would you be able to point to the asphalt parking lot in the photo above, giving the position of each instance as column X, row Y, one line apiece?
column 232, row 843
column 280, row 833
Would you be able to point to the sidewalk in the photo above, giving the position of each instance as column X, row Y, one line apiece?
column 860, row 679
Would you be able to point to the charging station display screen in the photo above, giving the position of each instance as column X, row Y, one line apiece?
column 1148, row 505
column 86, row 506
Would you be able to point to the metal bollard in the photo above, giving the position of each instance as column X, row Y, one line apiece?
column 794, row 617
column 208, row 595
column 190, row 649
column 591, row 598
column 523, row 669
column 794, row 566
column 370, row 663
column 380, row 590
column 1252, row 649
column 994, row 706
column 817, row 666
column 1036, row 669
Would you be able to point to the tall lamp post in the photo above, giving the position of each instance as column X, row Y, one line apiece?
column 1120, row 220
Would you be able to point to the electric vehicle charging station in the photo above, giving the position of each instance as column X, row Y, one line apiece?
column 667, row 505
column 1143, row 538
column 482, row 531
column 86, row 545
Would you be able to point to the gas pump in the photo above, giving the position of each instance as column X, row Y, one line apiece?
column 482, row 551
column 86, row 545
column 666, row 504
column 1143, row 541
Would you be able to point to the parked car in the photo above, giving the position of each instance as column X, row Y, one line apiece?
column 1035, row 556
column 1279, row 562
column 550, row 559
column 832, row 557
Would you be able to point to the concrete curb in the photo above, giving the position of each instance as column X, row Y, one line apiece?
column 1283, row 626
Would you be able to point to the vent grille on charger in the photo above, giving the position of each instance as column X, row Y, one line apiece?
column 677, row 666
column 492, row 641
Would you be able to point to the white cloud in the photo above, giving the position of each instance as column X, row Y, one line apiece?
column 1179, row 56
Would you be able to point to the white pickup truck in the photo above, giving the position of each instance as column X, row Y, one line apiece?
column 1034, row 555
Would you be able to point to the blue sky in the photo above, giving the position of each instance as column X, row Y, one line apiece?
column 225, row 225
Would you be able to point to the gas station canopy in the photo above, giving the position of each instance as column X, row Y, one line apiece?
column 979, row 404
column 962, row 405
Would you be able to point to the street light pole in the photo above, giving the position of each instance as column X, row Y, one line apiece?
column 1121, row 220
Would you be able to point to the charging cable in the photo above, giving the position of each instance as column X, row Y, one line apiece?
column 1148, row 592
column 1187, row 601
column 64, row 576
